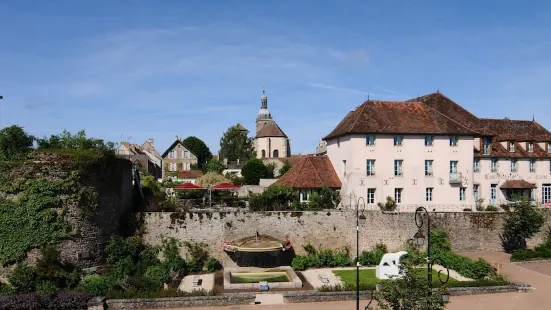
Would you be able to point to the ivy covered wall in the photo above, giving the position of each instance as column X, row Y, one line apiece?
column 74, row 201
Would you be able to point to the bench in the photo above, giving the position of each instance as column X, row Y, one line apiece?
column 323, row 278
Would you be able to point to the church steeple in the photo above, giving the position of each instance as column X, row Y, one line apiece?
column 263, row 113
column 264, row 100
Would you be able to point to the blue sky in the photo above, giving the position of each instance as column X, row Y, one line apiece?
column 140, row 69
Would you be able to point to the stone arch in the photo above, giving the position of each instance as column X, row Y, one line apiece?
column 276, row 154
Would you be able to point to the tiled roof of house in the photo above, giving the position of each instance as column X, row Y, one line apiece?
column 506, row 129
column 189, row 174
column 311, row 172
column 517, row 184
column 134, row 148
column 395, row 117
column 450, row 108
column 271, row 129
column 498, row 150
column 293, row 159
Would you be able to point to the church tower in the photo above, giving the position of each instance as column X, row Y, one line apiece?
column 270, row 141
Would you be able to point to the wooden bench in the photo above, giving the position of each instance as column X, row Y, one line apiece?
column 323, row 278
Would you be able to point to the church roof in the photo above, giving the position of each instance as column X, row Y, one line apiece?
column 271, row 129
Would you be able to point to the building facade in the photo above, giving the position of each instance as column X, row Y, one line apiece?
column 177, row 157
column 270, row 141
column 431, row 152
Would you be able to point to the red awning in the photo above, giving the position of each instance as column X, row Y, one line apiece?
column 225, row 185
column 188, row 185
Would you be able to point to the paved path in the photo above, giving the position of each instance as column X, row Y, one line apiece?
column 536, row 274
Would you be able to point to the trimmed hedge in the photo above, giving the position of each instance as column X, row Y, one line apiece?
column 541, row 252
column 65, row 300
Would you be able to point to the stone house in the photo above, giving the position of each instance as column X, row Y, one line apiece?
column 309, row 175
column 144, row 156
column 430, row 151
column 177, row 157
column 270, row 141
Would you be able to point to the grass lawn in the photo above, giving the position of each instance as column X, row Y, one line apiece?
column 368, row 279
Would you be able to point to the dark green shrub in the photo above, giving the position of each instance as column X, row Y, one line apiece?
column 23, row 278
column 341, row 260
column 325, row 258
column 173, row 260
column 198, row 251
column 46, row 287
column 372, row 258
column 5, row 289
column 389, row 205
column 157, row 275
column 52, row 272
column 129, row 256
column 491, row 208
column 213, row 265
column 300, row 263
column 63, row 300
column 310, row 249
column 522, row 222
column 171, row 292
column 137, row 283
column 98, row 285
column 522, row 255
column 466, row 267
column 439, row 241
column 194, row 266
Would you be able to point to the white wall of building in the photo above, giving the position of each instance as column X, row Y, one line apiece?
column 269, row 145
column 413, row 152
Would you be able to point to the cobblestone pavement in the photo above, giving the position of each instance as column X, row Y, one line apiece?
column 537, row 275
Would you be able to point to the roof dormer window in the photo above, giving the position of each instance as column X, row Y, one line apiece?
column 512, row 146
column 530, row 147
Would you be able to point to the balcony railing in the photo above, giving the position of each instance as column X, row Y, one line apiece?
column 455, row 177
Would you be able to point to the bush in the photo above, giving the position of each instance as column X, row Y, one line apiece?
column 389, row 205
column 157, row 275
column 300, row 263
column 372, row 258
column 5, row 289
column 50, row 271
column 253, row 171
column 341, row 260
column 213, row 265
column 23, row 278
column 96, row 284
column 522, row 222
column 439, row 241
column 466, row 267
column 491, row 208
column 46, row 287
column 52, row 301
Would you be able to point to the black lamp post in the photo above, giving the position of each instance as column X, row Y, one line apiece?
column 419, row 239
column 360, row 220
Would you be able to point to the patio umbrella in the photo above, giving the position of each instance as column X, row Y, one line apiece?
column 225, row 185
column 185, row 186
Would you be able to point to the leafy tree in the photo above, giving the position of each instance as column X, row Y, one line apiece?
column 235, row 145
column 286, row 167
column 270, row 167
column 213, row 165
column 523, row 221
column 78, row 141
column 14, row 143
column 199, row 148
column 210, row 179
column 253, row 171
column 410, row 292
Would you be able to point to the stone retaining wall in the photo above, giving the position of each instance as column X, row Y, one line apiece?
column 468, row 231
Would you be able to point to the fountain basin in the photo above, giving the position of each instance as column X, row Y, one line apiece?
column 259, row 243
column 249, row 278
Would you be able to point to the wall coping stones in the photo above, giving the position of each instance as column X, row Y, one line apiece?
column 229, row 299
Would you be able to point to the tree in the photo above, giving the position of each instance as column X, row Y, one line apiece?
column 409, row 292
column 286, row 167
column 235, row 145
column 270, row 168
column 210, row 179
column 213, row 165
column 523, row 221
column 199, row 148
column 14, row 143
column 78, row 141
column 253, row 171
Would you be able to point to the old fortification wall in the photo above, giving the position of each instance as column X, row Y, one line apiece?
column 469, row 231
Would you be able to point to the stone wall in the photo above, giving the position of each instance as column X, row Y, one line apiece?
column 468, row 231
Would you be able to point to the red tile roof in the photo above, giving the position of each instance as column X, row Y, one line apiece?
column 293, row 159
column 517, row 184
column 271, row 129
column 506, row 129
column 394, row 117
column 498, row 150
column 311, row 172
column 189, row 174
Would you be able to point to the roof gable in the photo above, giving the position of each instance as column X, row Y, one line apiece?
column 311, row 172
column 397, row 117
column 173, row 145
column 271, row 129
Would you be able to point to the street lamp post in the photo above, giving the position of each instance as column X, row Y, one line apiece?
column 419, row 239
column 360, row 219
